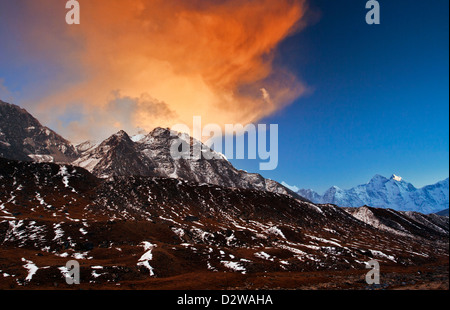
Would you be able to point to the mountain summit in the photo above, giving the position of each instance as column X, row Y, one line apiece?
column 381, row 192
column 150, row 155
column 396, row 178
column 22, row 137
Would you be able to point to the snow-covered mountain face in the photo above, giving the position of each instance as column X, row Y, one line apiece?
column 22, row 137
column 393, row 193
column 149, row 155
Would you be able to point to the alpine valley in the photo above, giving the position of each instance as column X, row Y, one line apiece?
column 135, row 218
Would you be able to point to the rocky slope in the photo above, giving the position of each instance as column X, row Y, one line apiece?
column 149, row 232
column 22, row 137
column 402, row 223
column 119, row 155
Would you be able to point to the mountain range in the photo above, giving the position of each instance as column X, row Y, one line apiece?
column 163, row 233
column 23, row 138
column 381, row 192
column 149, row 155
column 135, row 217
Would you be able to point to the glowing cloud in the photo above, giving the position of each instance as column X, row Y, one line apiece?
column 148, row 63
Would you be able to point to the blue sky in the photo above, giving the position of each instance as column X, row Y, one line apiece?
column 378, row 100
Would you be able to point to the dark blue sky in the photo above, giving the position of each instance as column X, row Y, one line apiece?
column 380, row 98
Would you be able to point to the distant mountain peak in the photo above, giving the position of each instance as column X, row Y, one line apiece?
column 396, row 178
column 393, row 193
column 377, row 178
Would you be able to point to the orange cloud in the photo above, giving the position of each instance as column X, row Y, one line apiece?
column 168, row 60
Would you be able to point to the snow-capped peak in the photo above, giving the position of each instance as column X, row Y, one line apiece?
column 394, row 193
column 138, row 137
column 396, row 178
column 291, row 187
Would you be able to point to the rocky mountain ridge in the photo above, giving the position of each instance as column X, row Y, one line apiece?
column 22, row 137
